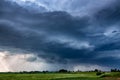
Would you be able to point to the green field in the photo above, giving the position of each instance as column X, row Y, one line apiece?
column 51, row 76
column 55, row 76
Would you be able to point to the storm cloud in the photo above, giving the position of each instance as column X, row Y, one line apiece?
column 71, row 35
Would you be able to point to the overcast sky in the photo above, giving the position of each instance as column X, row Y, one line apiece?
column 55, row 34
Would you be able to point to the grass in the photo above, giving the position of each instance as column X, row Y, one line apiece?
column 50, row 76
column 111, row 76
column 60, row 76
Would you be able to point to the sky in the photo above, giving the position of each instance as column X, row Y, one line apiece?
column 37, row 35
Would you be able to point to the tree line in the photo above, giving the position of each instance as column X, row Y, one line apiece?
column 63, row 71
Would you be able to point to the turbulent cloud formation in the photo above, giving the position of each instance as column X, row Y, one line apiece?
column 25, row 62
column 75, row 7
column 50, row 35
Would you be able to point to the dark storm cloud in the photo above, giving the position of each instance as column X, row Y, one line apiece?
column 58, row 36
column 110, row 14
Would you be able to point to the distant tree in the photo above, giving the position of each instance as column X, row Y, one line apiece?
column 45, row 71
column 112, row 70
column 63, row 71
column 96, row 70
column 78, row 71
column 115, row 70
column 99, row 73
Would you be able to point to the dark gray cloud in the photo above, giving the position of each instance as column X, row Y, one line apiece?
column 60, row 37
column 110, row 14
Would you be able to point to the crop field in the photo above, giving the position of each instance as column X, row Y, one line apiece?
column 51, row 76
column 59, row 76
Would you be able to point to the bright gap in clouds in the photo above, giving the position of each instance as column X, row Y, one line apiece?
column 21, row 62
column 32, row 5
column 25, row 62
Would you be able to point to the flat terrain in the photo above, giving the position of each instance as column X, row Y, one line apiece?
column 51, row 76
column 56, row 76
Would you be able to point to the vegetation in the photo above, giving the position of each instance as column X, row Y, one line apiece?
column 111, row 74
column 99, row 73
column 50, row 76
column 63, row 71
column 115, row 70
column 61, row 75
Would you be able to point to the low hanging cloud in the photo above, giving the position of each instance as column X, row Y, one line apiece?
column 90, row 67
column 57, row 39
column 25, row 62
column 29, row 62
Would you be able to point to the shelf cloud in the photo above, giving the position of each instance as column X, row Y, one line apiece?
column 50, row 35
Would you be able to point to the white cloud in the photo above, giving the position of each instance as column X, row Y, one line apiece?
column 21, row 62
column 90, row 67
column 111, row 32
column 25, row 62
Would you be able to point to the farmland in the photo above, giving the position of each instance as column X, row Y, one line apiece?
column 50, row 76
column 59, row 76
